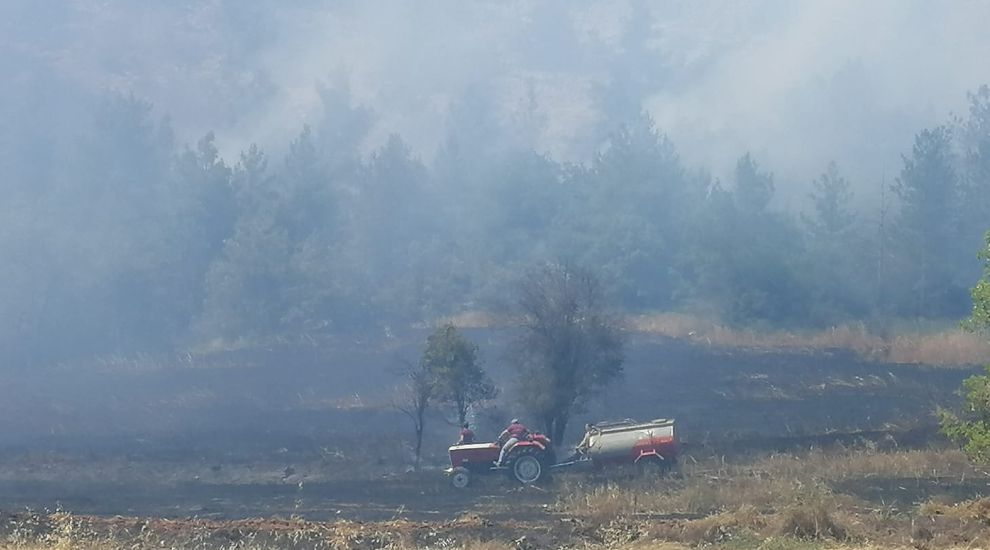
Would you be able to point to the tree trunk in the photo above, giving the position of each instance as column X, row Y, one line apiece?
column 420, row 428
column 419, row 444
column 554, row 428
column 560, row 425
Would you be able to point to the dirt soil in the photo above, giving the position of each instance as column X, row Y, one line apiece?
column 419, row 497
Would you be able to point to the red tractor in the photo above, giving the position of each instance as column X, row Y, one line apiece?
column 651, row 446
column 528, row 461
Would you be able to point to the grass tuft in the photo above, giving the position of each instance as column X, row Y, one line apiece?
column 811, row 522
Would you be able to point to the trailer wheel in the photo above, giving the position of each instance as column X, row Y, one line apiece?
column 653, row 466
column 461, row 478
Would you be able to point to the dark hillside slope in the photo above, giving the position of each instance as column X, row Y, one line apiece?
column 323, row 391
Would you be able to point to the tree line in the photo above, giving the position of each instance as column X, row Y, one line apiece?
column 118, row 238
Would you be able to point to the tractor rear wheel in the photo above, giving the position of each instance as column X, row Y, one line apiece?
column 527, row 469
column 528, row 465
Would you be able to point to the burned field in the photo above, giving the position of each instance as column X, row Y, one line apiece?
column 777, row 501
column 773, row 442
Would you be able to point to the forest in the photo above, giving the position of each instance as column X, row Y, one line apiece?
column 133, row 241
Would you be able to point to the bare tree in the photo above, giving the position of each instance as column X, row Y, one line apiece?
column 414, row 401
column 569, row 347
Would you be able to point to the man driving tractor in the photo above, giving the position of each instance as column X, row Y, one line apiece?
column 511, row 435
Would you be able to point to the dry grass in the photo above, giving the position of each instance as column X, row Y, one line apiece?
column 952, row 347
column 944, row 347
column 939, row 524
column 854, row 337
column 862, row 464
column 796, row 528
column 479, row 319
column 810, row 521
column 773, row 502
column 62, row 531
column 767, row 484
column 791, row 498
column 698, row 495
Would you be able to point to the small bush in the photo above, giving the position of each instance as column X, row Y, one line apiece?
column 973, row 430
column 810, row 522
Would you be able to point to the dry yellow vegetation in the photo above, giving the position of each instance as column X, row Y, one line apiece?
column 949, row 347
column 944, row 347
column 785, row 499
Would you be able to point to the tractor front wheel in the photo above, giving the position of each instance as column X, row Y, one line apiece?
column 461, row 478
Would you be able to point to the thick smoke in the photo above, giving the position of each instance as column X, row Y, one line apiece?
column 797, row 83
